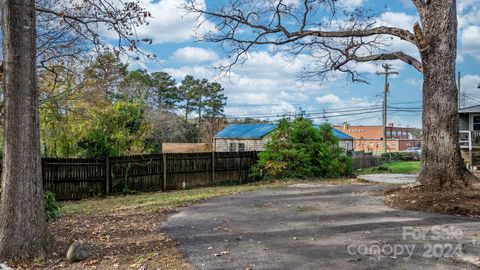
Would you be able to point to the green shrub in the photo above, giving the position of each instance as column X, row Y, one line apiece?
column 298, row 149
column 52, row 208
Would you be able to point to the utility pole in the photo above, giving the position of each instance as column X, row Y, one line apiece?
column 387, row 71
column 459, row 90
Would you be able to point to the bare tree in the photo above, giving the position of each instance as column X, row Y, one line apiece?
column 65, row 30
column 336, row 39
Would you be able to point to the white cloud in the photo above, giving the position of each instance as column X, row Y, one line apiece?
column 338, row 110
column 194, row 55
column 470, row 90
column 267, row 80
column 350, row 5
column 470, row 39
column 328, row 99
column 171, row 23
column 414, row 82
column 397, row 19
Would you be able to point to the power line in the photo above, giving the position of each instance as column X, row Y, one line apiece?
column 335, row 113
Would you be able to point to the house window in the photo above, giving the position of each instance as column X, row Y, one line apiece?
column 476, row 122
column 241, row 147
column 232, row 147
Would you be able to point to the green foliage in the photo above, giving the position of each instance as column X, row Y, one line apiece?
column 52, row 208
column 116, row 130
column 106, row 74
column 201, row 96
column 298, row 149
column 165, row 96
column 104, row 109
column 215, row 100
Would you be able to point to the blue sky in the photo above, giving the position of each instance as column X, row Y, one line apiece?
column 268, row 82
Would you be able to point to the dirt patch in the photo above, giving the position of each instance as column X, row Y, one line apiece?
column 118, row 240
column 450, row 202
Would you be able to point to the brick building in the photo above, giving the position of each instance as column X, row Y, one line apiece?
column 370, row 138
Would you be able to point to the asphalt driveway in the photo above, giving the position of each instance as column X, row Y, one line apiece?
column 320, row 227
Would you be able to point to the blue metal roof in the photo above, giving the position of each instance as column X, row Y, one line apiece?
column 340, row 135
column 258, row 131
column 246, row 131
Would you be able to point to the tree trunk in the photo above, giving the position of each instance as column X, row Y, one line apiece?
column 23, row 229
column 442, row 164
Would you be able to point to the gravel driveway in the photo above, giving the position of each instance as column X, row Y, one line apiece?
column 320, row 227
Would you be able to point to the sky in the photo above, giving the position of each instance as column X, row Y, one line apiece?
column 268, row 83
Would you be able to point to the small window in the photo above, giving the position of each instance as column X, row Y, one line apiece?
column 241, row 147
column 476, row 122
column 232, row 147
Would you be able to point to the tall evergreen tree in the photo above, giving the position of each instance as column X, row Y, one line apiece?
column 106, row 74
column 165, row 94
column 188, row 95
column 199, row 95
column 136, row 85
column 215, row 100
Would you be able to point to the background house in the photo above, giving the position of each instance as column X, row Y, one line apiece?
column 370, row 138
column 253, row 137
column 469, row 128
column 186, row 147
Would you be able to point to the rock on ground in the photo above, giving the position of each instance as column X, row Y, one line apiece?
column 78, row 252
column 4, row 267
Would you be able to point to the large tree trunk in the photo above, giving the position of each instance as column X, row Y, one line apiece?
column 442, row 164
column 23, row 230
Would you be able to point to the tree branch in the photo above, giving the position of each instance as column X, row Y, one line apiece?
column 381, row 30
column 390, row 56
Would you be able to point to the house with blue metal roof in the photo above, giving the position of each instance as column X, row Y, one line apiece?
column 253, row 137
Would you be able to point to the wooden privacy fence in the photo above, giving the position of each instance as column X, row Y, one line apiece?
column 75, row 178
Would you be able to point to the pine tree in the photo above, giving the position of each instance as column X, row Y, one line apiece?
column 215, row 100
column 106, row 74
column 165, row 93
column 188, row 95
column 137, row 85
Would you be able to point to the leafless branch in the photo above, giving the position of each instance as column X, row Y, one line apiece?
column 312, row 27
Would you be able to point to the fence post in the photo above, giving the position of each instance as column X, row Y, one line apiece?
column 213, row 167
column 107, row 175
column 164, row 171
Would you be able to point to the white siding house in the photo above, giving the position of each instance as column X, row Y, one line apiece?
column 253, row 137
column 243, row 137
column 469, row 129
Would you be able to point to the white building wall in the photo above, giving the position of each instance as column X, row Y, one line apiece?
column 347, row 145
column 223, row 145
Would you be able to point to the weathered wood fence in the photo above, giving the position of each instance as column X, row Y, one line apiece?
column 75, row 178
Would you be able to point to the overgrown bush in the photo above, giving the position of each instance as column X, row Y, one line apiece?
column 298, row 149
column 52, row 208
